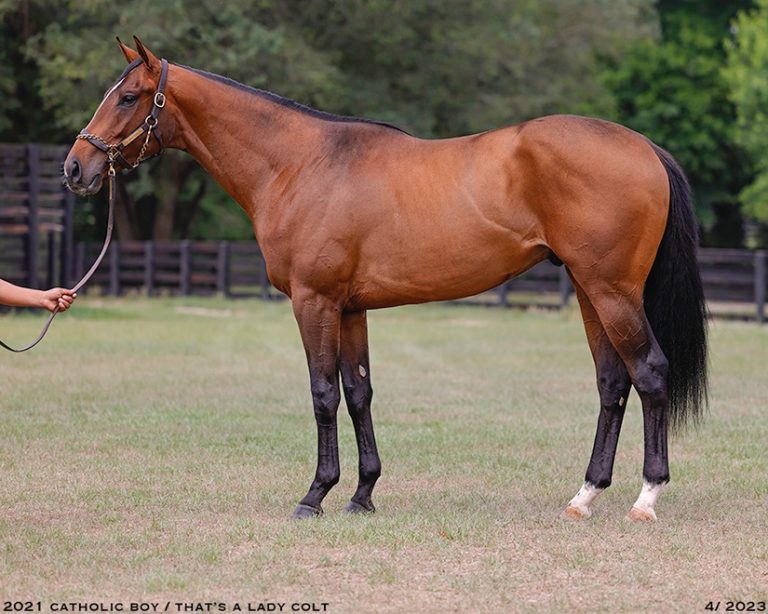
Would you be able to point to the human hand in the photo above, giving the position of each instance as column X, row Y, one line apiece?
column 57, row 297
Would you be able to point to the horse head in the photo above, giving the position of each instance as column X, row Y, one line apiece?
column 128, row 126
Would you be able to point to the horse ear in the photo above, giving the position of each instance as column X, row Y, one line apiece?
column 130, row 54
column 149, row 58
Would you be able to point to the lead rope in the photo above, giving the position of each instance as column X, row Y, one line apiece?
column 90, row 272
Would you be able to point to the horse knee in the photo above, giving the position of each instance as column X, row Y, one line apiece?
column 613, row 385
column 325, row 399
column 358, row 396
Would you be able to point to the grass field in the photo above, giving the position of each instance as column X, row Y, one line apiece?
column 154, row 450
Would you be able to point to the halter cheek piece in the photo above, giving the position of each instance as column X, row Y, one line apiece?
column 115, row 151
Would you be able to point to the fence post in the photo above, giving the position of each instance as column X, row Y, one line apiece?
column 33, row 220
column 184, row 272
column 502, row 290
column 114, row 268
column 264, row 278
column 51, row 280
column 565, row 287
column 149, row 267
column 222, row 269
column 760, row 282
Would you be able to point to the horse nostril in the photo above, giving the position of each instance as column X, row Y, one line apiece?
column 75, row 173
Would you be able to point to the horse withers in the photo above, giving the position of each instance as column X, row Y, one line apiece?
column 353, row 214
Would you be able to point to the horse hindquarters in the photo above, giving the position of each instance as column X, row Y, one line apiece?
column 660, row 334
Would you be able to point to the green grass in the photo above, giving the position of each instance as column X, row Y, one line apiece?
column 155, row 450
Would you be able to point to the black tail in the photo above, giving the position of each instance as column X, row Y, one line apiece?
column 674, row 302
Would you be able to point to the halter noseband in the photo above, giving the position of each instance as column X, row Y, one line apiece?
column 114, row 151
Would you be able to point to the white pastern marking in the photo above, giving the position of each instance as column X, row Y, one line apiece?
column 362, row 370
column 646, row 502
column 584, row 498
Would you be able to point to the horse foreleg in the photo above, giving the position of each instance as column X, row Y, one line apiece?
column 319, row 323
column 613, row 386
column 356, row 379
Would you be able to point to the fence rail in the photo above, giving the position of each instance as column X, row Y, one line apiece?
column 178, row 267
column 238, row 269
column 36, row 213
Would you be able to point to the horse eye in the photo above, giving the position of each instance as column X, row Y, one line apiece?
column 127, row 100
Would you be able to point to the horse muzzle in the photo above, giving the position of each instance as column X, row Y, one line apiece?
column 81, row 179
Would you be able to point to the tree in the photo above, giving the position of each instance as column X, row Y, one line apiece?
column 444, row 68
column 672, row 90
column 746, row 73
column 22, row 116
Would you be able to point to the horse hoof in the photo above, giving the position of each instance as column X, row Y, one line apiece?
column 576, row 513
column 638, row 515
column 353, row 507
column 306, row 511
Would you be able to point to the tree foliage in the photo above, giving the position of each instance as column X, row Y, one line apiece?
column 450, row 67
column 747, row 75
column 672, row 90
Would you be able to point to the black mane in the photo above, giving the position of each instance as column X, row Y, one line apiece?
column 291, row 104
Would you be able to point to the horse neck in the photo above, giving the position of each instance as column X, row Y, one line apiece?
column 242, row 139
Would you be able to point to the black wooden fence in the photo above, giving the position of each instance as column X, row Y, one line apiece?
column 735, row 281
column 178, row 268
column 36, row 241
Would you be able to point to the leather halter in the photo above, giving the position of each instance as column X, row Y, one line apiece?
column 114, row 151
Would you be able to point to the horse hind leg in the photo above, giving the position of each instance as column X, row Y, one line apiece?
column 622, row 315
column 613, row 385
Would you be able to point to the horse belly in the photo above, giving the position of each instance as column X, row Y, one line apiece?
column 462, row 264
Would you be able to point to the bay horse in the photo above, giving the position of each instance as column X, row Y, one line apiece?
column 354, row 214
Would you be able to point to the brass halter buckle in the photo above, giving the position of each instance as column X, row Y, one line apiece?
column 111, row 155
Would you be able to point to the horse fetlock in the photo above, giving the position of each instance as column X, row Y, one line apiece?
column 370, row 473
column 655, row 471
column 326, row 479
column 644, row 509
column 581, row 505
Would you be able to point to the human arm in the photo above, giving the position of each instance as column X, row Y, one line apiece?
column 19, row 296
